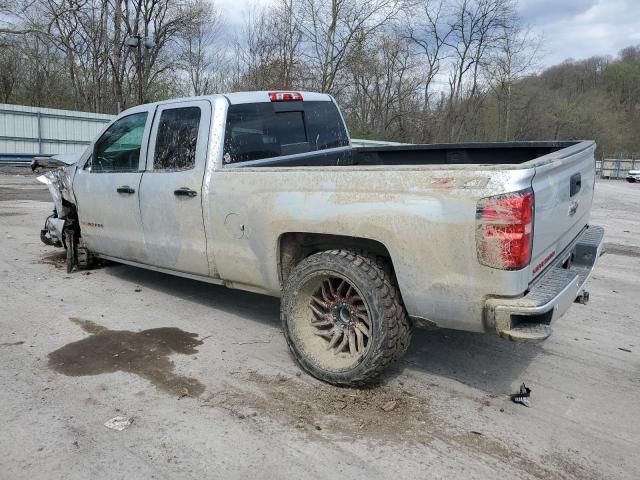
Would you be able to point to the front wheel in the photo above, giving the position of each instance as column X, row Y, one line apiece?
column 343, row 318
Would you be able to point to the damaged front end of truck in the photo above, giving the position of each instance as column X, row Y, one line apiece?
column 61, row 228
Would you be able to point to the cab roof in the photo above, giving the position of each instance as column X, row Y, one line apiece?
column 234, row 98
column 263, row 96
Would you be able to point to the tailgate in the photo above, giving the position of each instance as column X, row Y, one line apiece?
column 563, row 190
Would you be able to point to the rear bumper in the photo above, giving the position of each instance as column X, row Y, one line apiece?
column 528, row 318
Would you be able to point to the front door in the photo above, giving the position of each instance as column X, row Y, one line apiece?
column 107, row 188
column 171, row 188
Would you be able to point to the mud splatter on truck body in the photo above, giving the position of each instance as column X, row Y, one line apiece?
column 471, row 235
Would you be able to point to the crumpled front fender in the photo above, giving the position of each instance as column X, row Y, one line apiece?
column 52, row 181
column 59, row 181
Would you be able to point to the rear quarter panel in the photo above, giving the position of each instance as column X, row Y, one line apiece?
column 424, row 216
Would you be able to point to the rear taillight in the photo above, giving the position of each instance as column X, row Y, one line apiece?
column 285, row 96
column 505, row 230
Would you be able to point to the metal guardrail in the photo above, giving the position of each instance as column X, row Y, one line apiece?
column 41, row 140
column 617, row 166
column 19, row 159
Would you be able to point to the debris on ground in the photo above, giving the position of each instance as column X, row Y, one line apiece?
column 339, row 404
column 624, row 349
column 522, row 396
column 251, row 343
column 389, row 406
column 119, row 423
column 305, row 404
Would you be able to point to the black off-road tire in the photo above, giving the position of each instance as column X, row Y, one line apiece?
column 390, row 326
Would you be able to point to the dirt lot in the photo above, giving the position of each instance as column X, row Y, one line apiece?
column 205, row 374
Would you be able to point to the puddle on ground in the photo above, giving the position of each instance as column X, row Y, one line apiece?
column 144, row 353
column 58, row 258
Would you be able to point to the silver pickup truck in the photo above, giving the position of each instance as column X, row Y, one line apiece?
column 265, row 191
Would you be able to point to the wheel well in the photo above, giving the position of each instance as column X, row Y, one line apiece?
column 296, row 246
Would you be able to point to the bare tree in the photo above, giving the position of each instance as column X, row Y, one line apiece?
column 118, row 57
column 253, row 52
column 159, row 21
column 409, row 70
column 384, row 84
column 427, row 30
column 515, row 57
column 79, row 30
column 196, row 46
column 286, row 37
column 14, row 19
column 330, row 28
column 477, row 26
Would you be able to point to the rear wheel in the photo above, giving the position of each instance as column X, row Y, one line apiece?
column 343, row 318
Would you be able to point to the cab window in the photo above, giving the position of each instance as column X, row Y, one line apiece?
column 256, row 131
column 118, row 149
column 177, row 139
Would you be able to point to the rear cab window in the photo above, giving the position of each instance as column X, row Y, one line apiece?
column 256, row 131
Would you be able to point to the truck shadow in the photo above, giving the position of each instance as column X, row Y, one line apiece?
column 482, row 361
column 252, row 306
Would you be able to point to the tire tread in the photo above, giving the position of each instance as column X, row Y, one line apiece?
column 381, row 279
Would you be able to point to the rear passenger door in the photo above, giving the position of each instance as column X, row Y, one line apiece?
column 171, row 188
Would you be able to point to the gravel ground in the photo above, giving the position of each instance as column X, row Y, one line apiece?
column 205, row 376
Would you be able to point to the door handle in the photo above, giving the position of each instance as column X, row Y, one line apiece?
column 185, row 192
column 125, row 189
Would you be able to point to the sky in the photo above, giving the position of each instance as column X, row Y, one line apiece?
column 575, row 29
column 581, row 29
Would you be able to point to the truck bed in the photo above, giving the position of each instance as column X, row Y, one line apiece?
column 512, row 153
column 494, row 153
